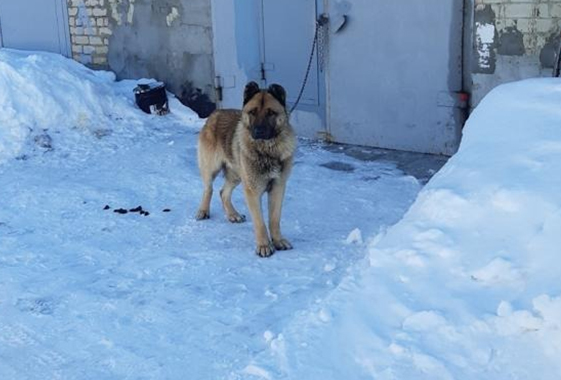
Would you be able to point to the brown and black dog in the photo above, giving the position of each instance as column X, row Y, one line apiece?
column 254, row 146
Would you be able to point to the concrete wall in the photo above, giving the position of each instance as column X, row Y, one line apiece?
column 512, row 40
column 170, row 40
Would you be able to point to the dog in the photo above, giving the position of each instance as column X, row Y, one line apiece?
column 254, row 146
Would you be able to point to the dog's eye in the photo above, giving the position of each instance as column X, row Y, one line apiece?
column 271, row 113
column 252, row 112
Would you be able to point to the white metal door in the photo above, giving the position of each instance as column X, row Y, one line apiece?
column 288, row 34
column 269, row 42
column 236, row 29
column 35, row 25
column 287, row 38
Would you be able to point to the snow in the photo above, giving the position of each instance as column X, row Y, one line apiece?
column 86, row 293
column 466, row 285
column 457, row 281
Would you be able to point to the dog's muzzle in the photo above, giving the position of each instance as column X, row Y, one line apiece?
column 262, row 133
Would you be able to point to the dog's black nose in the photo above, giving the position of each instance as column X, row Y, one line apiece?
column 261, row 133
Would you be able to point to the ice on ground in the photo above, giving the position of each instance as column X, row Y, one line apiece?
column 355, row 237
column 498, row 272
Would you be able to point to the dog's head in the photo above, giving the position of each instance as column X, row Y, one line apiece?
column 264, row 111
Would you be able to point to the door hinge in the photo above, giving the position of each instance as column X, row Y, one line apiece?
column 218, row 89
column 263, row 71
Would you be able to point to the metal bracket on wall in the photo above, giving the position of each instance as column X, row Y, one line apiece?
column 221, row 83
column 452, row 99
column 218, row 88
column 266, row 66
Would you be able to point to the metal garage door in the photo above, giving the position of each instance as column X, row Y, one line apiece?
column 396, row 74
column 35, row 25
column 288, row 30
column 270, row 42
column 393, row 70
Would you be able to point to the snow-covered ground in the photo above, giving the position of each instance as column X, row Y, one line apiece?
column 86, row 293
column 466, row 285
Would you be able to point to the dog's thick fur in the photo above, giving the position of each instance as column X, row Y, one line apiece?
column 254, row 146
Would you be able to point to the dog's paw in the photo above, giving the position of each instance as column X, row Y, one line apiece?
column 265, row 250
column 202, row 215
column 282, row 244
column 236, row 218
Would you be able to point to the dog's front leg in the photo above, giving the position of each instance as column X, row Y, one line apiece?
column 253, row 200
column 276, row 196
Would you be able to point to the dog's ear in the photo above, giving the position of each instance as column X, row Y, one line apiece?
column 251, row 89
column 278, row 93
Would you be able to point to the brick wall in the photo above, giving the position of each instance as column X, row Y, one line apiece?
column 513, row 40
column 89, row 31
column 169, row 40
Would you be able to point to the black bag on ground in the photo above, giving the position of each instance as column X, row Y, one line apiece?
column 152, row 98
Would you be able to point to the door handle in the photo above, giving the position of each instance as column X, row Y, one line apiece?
column 339, row 23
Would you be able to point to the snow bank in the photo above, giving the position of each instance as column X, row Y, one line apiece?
column 467, row 285
column 82, row 100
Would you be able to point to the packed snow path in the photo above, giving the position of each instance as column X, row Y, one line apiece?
column 87, row 293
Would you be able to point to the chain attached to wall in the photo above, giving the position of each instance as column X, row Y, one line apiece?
column 320, row 39
column 322, row 26
column 557, row 64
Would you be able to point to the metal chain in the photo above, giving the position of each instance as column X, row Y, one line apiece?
column 557, row 64
column 318, row 41
column 321, row 43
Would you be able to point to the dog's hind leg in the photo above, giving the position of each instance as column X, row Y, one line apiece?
column 231, row 181
column 209, row 167
column 204, row 208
